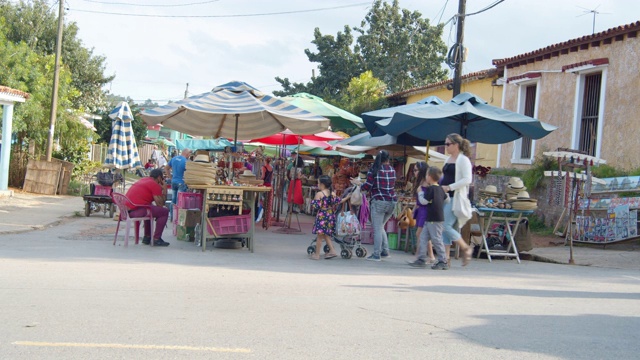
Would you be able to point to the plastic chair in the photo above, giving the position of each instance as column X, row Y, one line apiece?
column 122, row 201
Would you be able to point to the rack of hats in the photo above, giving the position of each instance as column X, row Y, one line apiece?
column 514, row 197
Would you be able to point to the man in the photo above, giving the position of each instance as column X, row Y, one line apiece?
column 159, row 157
column 175, row 169
column 145, row 192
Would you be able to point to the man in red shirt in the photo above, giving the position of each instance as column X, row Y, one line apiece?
column 144, row 192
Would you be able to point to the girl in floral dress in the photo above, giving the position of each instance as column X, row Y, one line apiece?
column 325, row 224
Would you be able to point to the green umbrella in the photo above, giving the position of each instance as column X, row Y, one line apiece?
column 340, row 119
column 165, row 142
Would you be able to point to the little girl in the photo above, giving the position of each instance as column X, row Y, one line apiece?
column 325, row 224
column 420, row 213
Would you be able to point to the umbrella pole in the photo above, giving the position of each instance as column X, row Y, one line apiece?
column 235, row 148
column 426, row 154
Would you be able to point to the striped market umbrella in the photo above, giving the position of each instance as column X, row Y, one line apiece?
column 235, row 110
column 123, row 151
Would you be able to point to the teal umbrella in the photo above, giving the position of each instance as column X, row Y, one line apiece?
column 340, row 119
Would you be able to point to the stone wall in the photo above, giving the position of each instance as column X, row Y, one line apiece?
column 546, row 212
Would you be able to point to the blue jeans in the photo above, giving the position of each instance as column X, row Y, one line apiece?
column 175, row 188
column 381, row 212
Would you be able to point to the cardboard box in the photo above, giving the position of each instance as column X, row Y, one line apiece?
column 185, row 233
column 189, row 217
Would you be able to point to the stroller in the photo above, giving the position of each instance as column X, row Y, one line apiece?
column 347, row 233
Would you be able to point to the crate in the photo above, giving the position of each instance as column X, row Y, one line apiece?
column 189, row 200
column 102, row 190
column 175, row 211
column 393, row 241
column 226, row 225
column 189, row 217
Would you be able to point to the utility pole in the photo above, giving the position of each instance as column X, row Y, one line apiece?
column 459, row 52
column 186, row 91
column 56, row 80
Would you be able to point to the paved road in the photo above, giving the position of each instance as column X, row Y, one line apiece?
column 67, row 293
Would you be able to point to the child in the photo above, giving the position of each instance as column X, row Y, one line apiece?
column 420, row 212
column 325, row 223
column 433, row 197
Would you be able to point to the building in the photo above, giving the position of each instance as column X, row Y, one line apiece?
column 483, row 83
column 585, row 86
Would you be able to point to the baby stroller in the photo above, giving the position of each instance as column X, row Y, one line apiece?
column 347, row 233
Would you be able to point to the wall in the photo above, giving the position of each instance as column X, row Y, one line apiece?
column 557, row 102
column 486, row 154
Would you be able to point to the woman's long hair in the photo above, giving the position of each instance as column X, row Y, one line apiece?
column 382, row 157
column 422, row 174
column 463, row 144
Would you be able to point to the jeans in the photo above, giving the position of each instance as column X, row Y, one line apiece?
column 451, row 230
column 432, row 230
column 381, row 212
column 175, row 188
column 160, row 214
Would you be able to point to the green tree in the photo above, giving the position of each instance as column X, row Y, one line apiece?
column 400, row 47
column 103, row 126
column 364, row 93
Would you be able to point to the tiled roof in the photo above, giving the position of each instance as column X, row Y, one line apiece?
column 465, row 78
column 531, row 75
column 582, row 43
column 594, row 62
column 14, row 92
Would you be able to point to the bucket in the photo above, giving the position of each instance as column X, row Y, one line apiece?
column 393, row 241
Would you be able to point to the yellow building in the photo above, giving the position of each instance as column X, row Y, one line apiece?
column 483, row 83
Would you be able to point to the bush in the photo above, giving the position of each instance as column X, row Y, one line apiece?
column 507, row 172
column 537, row 226
column 607, row 171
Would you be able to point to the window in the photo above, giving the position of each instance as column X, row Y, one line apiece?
column 589, row 110
column 590, row 113
column 523, row 149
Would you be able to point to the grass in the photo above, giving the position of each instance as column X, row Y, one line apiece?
column 77, row 188
column 537, row 226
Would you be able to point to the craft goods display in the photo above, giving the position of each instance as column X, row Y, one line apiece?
column 489, row 197
column 200, row 171
column 248, row 178
column 514, row 187
column 523, row 202
column 223, row 201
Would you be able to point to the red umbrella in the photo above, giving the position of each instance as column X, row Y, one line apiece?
column 287, row 137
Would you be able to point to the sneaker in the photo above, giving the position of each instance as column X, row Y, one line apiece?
column 160, row 242
column 146, row 240
column 384, row 254
column 418, row 264
column 374, row 258
column 440, row 266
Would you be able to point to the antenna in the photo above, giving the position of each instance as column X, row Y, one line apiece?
column 595, row 12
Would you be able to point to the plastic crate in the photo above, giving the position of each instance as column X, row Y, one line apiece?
column 102, row 190
column 226, row 225
column 175, row 210
column 189, row 200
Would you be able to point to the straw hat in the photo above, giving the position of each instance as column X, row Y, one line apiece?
column 201, row 158
column 247, row 173
column 515, row 183
column 524, row 205
column 490, row 190
column 522, row 197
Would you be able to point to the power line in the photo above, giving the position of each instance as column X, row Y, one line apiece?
column 486, row 8
column 444, row 7
column 151, row 5
column 222, row 16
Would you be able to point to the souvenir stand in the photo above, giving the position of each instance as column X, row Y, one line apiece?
column 568, row 187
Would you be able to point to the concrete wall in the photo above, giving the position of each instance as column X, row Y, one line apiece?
column 557, row 97
column 486, row 154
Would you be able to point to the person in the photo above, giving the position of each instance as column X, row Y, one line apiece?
column 267, row 172
column 457, row 172
column 433, row 198
column 175, row 169
column 146, row 191
column 294, row 173
column 150, row 164
column 316, row 171
column 325, row 223
column 420, row 212
column 159, row 157
column 248, row 165
column 380, row 183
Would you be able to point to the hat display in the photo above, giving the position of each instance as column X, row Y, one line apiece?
column 248, row 173
column 515, row 183
column 201, row 158
column 523, row 201
column 490, row 190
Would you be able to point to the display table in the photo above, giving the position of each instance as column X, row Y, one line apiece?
column 489, row 216
column 249, row 194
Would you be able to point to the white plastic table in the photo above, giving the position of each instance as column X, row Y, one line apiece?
column 489, row 216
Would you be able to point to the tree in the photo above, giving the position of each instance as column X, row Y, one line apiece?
column 103, row 126
column 398, row 46
column 364, row 93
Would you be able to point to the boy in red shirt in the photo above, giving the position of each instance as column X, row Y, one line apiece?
column 144, row 192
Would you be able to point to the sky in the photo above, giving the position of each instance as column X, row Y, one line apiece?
column 155, row 57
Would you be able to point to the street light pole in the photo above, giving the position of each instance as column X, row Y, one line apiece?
column 459, row 52
column 56, row 80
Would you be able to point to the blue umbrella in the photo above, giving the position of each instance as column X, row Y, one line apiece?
column 370, row 118
column 467, row 115
column 123, row 150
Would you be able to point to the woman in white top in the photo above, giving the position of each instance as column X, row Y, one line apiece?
column 456, row 178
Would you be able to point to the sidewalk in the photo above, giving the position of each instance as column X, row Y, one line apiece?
column 27, row 212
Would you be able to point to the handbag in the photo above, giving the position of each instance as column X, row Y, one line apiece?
column 356, row 197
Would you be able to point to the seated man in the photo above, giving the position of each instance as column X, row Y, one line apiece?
column 144, row 192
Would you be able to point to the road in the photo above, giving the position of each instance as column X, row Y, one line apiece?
column 67, row 293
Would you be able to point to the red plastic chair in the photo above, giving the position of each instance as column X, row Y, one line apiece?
column 122, row 201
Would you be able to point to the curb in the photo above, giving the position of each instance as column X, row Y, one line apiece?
column 60, row 221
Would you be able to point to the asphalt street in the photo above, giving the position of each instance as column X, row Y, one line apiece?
column 67, row 293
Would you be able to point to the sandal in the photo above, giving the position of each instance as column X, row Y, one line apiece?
column 467, row 256
column 329, row 256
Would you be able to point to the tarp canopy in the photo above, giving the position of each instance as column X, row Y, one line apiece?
column 203, row 144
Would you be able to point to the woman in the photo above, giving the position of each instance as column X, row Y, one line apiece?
column 325, row 224
column 456, row 178
column 267, row 172
column 381, row 181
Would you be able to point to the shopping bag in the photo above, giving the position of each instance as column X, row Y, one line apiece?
column 356, row 197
